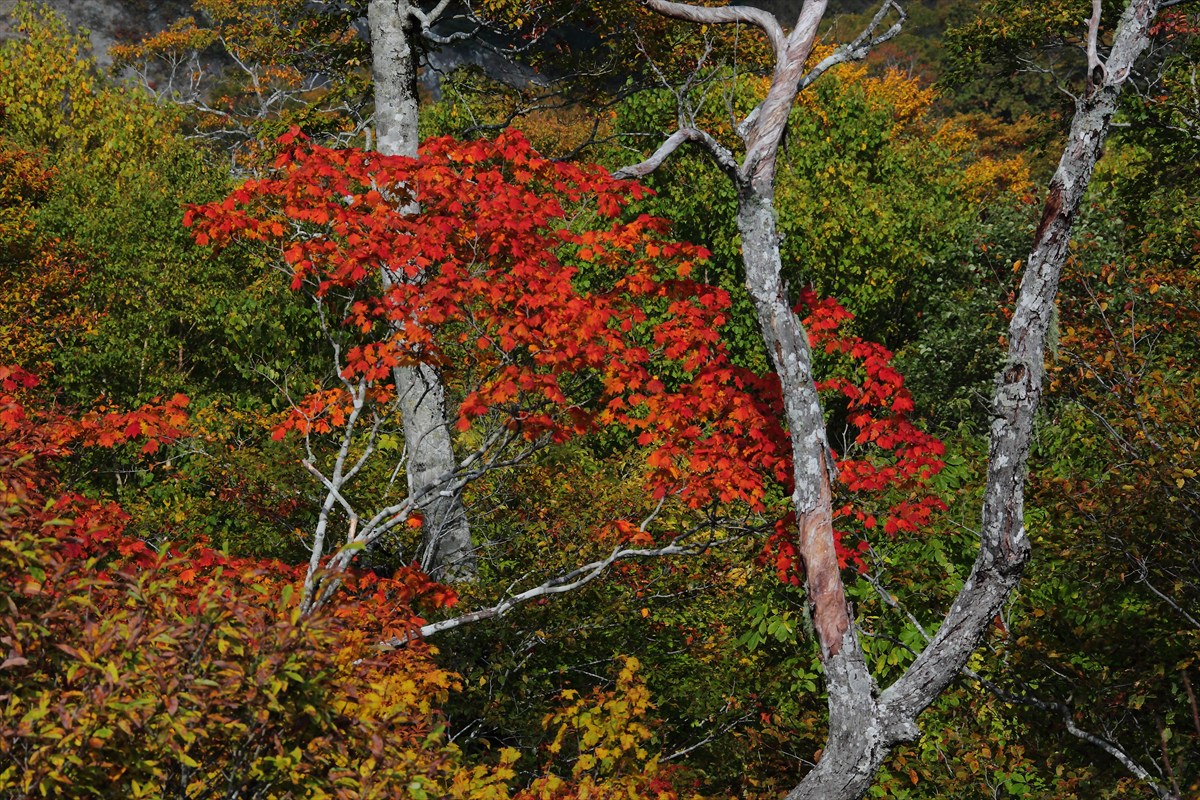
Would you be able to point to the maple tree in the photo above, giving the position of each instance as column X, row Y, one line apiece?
column 523, row 357
column 549, row 331
column 297, row 64
column 399, row 32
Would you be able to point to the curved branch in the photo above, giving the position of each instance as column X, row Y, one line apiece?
column 1108, row 746
column 576, row 578
column 720, row 154
column 704, row 15
column 430, row 17
column 1144, row 578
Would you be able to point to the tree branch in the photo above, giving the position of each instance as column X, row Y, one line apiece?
column 704, row 15
column 430, row 17
column 1095, row 75
column 576, row 578
column 1110, row 747
column 861, row 47
column 1144, row 578
column 719, row 153
column 333, row 490
column 1004, row 545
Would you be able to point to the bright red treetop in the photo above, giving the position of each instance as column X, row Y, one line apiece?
column 551, row 312
column 518, row 279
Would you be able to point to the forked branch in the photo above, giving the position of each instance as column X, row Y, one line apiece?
column 862, row 45
column 1095, row 68
column 720, row 154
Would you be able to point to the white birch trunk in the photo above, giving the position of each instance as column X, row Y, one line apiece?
column 857, row 747
column 445, row 550
column 864, row 723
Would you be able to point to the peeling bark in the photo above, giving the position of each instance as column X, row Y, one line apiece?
column 864, row 723
column 445, row 551
column 846, row 764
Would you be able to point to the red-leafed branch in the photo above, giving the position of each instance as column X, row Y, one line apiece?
column 537, row 360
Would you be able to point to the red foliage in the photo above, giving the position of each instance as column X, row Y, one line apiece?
column 902, row 458
column 520, row 280
column 557, row 329
column 93, row 531
column 1174, row 24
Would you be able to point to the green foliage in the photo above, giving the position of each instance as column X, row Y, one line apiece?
column 880, row 203
column 113, row 298
column 169, row 316
column 54, row 98
column 911, row 221
column 951, row 364
column 989, row 56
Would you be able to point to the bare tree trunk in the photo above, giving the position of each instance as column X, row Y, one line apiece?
column 865, row 723
column 858, row 747
column 446, row 552
column 394, row 60
column 857, row 741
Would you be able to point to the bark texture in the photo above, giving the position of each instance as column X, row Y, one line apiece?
column 857, row 743
column 394, row 62
column 446, row 552
column 864, row 722
column 855, row 750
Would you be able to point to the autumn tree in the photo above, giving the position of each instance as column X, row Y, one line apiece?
column 398, row 32
column 864, row 721
column 293, row 64
column 248, row 71
column 500, row 305
column 550, row 330
column 296, row 64
column 395, row 28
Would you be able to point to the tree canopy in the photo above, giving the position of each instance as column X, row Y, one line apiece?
column 732, row 325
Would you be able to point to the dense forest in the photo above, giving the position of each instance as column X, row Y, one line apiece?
column 645, row 400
